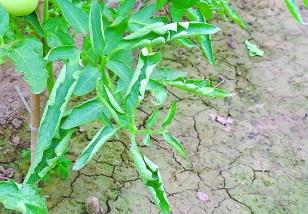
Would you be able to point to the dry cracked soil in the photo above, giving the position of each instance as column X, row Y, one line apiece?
column 246, row 154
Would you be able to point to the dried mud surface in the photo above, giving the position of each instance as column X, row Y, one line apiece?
column 257, row 162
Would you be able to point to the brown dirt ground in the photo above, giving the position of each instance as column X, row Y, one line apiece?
column 257, row 164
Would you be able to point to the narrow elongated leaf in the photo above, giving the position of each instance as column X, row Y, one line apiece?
column 4, row 21
column 294, row 10
column 175, row 143
column 51, row 157
column 150, row 176
column 113, row 101
column 22, row 198
column 232, row 13
column 207, row 47
column 87, row 112
column 87, row 81
column 54, row 110
column 96, row 143
column 58, row 38
column 170, row 115
column 198, row 87
column 97, row 29
column 152, row 119
column 103, row 97
column 74, row 16
column 28, row 59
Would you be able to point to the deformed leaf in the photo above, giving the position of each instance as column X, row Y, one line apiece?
column 74, row 16
column 87, row 112
column 253, row 50
column 198, row 87
column 28, row 59
column 170, row 115
column 96, row 28
column 175, row 143
column 92, row 148
column 4, row 22
column 22, row 198
column 54, row 111
column 87, row 80
column 66, row 52
column 51, row 157
column 150, row 176
column 207, row 47
column 158, row 92
column 152, row 119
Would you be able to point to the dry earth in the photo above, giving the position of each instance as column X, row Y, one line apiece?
column 247, row 154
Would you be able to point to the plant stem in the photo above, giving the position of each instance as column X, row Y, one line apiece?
column 35, row 98
column 156, row 132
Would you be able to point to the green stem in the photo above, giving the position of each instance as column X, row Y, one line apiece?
column 105, row 74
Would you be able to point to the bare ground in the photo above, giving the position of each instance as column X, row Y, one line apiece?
column 256, row 163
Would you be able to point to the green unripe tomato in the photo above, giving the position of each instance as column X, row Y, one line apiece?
column 183, row 4
column 19, row 7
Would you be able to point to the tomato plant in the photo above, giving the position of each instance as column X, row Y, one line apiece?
column 119, row 63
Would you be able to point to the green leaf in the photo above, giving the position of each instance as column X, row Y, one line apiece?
column 74, row 16
column 97, row 29
column 167, row 74
column 253, row 50
column 176, row 14
column 184, row 4
column 146, row 140
column 198, row 87
column 54, row 111
column 51, row 157
column 160, row 4
column 232, row 13
column 158, row 92
column 92, row 148
column 122, row 70
column 175, row 143
column 141, row 18
column 150, row 176
column 67, row 52
column 34, row 21
column 87, row 81
column 152, row 119
column 170, row 115
column 22, row 198
column 207, row 47
column 28, row 59
column 185, row 42
column 103, row 97
column 58, row 38
column 87, row 112
column 306, row 3
column 294, row 10
column 4, row 21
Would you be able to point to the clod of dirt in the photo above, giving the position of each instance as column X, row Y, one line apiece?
column 6, row 174
column 93, row 206
column 203, row 197
column 222, row 120
column 16, row 140
column 16, row 123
